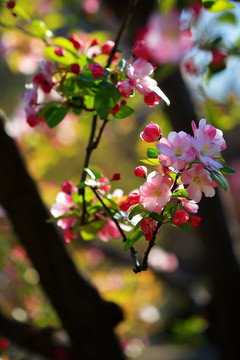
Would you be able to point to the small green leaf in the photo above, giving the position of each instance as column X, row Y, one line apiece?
column 46, row 107
column 135, row 211
column 227, row 170
column 77, row 198
column 21, row 12
column 186, row 227
column 105, row 99
column 88, row 115
column 40, row 29
column 124, row 112
column 155, row 216
column 181, row 193
column 94, row 174
column 150, row 161
column 81, row 185
column 66, row 59
column 228, row 18
column 55, row 115
column 217, row 5
column 90, row 231
column 220, row 179
column 65, row 43
column 133, row 238
column 152, row 153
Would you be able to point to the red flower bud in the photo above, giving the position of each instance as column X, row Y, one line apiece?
column 58, row 51
column 115, row 109
column 46, row 87
column 96, row 69
column 75, row 68
column 125, row 88
column 32, row 120
column 133, row 198
column 151, row 133
column 124, row 206
column 148, row 237
column 123, row 102
column 11, row 5
column 140, row 49
column 194, row 221
column 94, row 42
column 180, row 217
column 152, row 99
column 39, row 79
column 116, row 177
column 107, row 47
column 4, row 344
column 148, row 226
column 140, row 171
column 77, row 43
column 218, row 59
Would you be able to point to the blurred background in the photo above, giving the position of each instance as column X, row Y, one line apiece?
column 168, row 309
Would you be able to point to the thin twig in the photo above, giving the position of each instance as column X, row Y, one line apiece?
column 126, row 19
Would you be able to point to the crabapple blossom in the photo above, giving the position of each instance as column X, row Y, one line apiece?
column 140, row 49
column 151, row 133
column 207, row 142
column 133, row 198
column 190, row 205
column 107, row 47
column 152, row 99
column 148, row 226
column 109, row 231
column 180, row 217
column 156, row 191
column 199, row 181
column 104, row 188
column 140, row 171
column 162, row 260
column 176, row 150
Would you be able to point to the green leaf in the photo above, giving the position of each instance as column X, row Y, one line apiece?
column 112, row 203
column 137, row 226
column 155, row 216
column 46, row 107
column 227, row 170
column 77, row 198
column 88, row 101
column 84, row 61
column 152, row 153
column 217, row 5
column 228, row 18
column 55, row 115
column 122, row 65
column 124, row 112
column 90, row 231
column 133, row 238
column 186, row 227
column 81, row 185
column 67, row 59
column 21, row 12
column 94, row 174
column 220, row 179
column 105, row 99
column 135, row 211
column 88, row 115
column 181, row 193
column 150, row 161
column 40, row 29
column 65, row 43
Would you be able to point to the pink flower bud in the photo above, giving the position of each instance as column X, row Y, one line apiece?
column 104, row 180
column 194, row 221
column 148, row 237
column 133, row 198
column 141, row 171
column 125, row 88
column 39, row 79
column 11, row 5
column 151, row 133
column 58, row 51
column 115, row 109
column 94, row 42
column 116, row 177
column 148, row 226
column 107, row 47
column 75, row 68
column 124, row 206
column 77, row 43
column 140, row 49
column 96, row 69
column 68, row 187
column 180, row 217
column 152, row 99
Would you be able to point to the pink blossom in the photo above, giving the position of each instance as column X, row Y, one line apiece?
column 176, row 150
column 138, row 73
column 207, row 142
column 151, row 133
column 104, row 188
column 199, row 181
column 165, row 40
column 140, row 49
column 156, row 191
column 109, row 231
column 190, row 205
